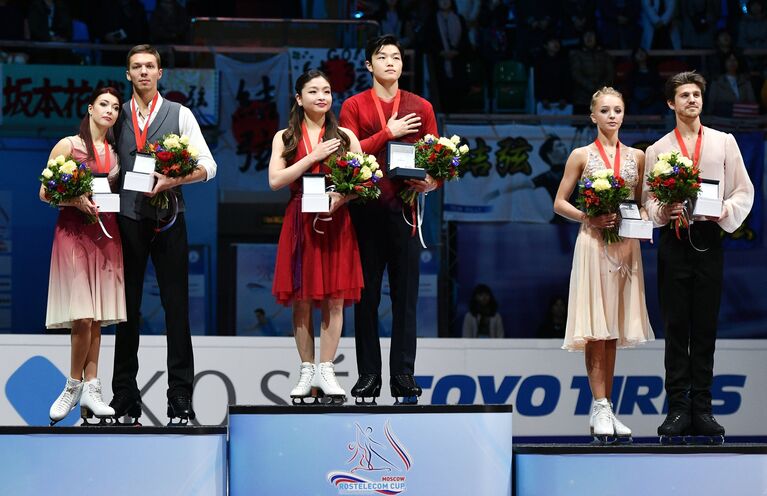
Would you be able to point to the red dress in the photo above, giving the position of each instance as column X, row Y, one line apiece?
column 313, row 266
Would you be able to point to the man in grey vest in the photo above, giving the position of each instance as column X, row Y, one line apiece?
column 147, row 231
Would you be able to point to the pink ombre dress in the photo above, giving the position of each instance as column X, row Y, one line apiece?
column 86, row 279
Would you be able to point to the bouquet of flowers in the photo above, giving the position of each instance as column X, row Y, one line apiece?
column 173, row 158
column 65, row 180
column 440, row 157
column 674, row 179
column 602, row 193
column 355, row 173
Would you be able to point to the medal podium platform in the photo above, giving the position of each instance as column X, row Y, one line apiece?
column 113, row 460
column 640, row 469
column 370, row 450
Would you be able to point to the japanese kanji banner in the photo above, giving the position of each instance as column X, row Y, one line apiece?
column 255, row 102
column 511, row 173
column 55, row 97
column 344, row 66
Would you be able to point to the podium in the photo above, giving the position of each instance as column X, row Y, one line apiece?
column 117, row 461
column 411, row 449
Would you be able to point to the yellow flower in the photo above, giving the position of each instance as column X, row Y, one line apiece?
column 661, row 167
column 464, row 149
column 47, row 173
column 170, row 143
column 379, row 174
column 60, row 159
column 365, row 173
column 184, row 140
column 193, row 152
column 69, row 167
column 601, row 184
column 603, row 173
column 455, row 139
column 51, row 164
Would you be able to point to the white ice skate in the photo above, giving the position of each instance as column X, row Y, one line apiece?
column 92, row 404
column 622, row 433
column 601, row 422
column 66, row 401
column 325, row 381
column 304, row 387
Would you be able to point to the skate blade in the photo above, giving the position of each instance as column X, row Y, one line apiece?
column 624, row 439
column 704, row 440
column 603, row 440
column 363, row 401
column 673, row 440
column 406, row 400
column 181, row 422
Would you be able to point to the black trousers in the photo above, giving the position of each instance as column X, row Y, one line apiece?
column 386, row 243
column 170, row 256
column 690, row 288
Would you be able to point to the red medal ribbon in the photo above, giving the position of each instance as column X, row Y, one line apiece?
column 696, row 157
column 379, row 108
column 308, row 144
column 141, row 134
column 107, row 159
column 615, row 167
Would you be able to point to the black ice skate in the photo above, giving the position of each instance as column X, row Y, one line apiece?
column 675, row 428
column 180, row 410
column 126, row 406
column 706, row 430
column 367, row 386
column 403, row 386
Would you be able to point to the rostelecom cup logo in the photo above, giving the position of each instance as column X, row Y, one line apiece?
column 378, row 464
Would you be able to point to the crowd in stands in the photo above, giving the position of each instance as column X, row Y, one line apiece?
column 474, row 47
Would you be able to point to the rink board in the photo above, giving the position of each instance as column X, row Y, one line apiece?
column 320, row 450
column 640, row 469
column 113, row 460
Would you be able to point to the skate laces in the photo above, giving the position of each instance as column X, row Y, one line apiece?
column 306, row 376
column 329, row 375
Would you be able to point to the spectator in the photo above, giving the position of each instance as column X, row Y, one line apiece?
column 394, row 21
column 698, row 19
column 715, row 63
column 552, row 74
column 483, row 320
column 658, row 16
column 536, row 22
column 169, row 23
column 731, row 87
column 644, row 86
column 470, row 10
column 494, row 41
column 49, row 20
column 119, row 22
column 618, row 26
column 556, row 320
column 577, row 18
column 449, row 49
column 752, row 32
column 591, row 67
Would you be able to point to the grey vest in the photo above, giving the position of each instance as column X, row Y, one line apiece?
column 134, row 204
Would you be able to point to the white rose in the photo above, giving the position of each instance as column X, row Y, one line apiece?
column 601, row 184
column 170, row 143
column 464, row 149
column 379, row 174
column 661, row 167
column 60, row 159
column 685, row 161
column 446, row 142
column 47, row 173
column 193, row 152
column 365, row 172
column 51, row 164
column 430, row 137
column 184, row 140
column 665, row 157
column 455, row 139
column 603, row 173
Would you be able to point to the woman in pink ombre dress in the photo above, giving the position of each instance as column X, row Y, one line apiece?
column 85, row 287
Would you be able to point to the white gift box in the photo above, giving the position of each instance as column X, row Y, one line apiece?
column 314, row 198
column 401, row 160
column 107, row 202
column 136, row 181
column 632, row 225
column 708, row 202
column 144, row 163
column 101, row 184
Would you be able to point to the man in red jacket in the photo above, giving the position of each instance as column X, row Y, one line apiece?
column 383, row 114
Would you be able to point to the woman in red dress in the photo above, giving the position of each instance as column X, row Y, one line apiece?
column 318, row 263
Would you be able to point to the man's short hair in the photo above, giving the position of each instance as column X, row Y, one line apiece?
column 376, row 44
column 143, row 49
column 677, row 80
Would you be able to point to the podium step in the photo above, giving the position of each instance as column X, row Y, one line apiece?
column 113, row 460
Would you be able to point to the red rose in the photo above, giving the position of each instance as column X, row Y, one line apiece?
column 342, row 163
column 438, row 147
column 185, row 154
column 164, row 156
column 60, row 188
column 670, row 182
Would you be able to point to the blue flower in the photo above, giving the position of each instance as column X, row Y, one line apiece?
column 587, row 183
column 375, row 178
column 676, row 169
column 65, row 178
column 51, row 184
column 354, row 163
column 83, row 166
column 455, row 162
